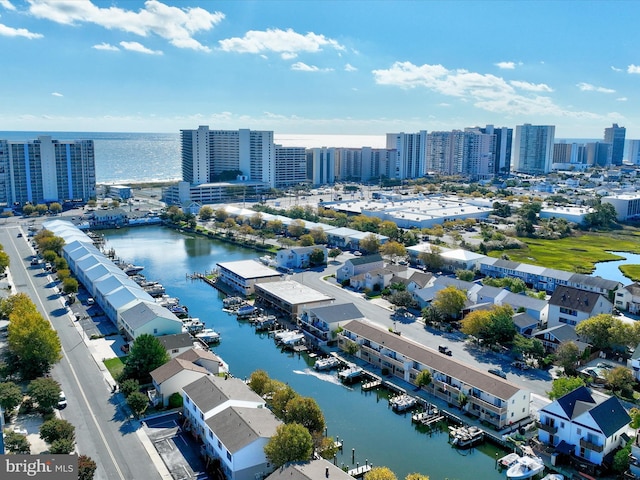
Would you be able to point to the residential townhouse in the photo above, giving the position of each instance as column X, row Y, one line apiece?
column 572, row 306
column 299, row 257
column 553, row 337
column 319, row 324
column 312, row 470
column 233, row 424
column 485, row 396
column 582, row 426
column 380, row 278
column 536, row 308
column 628, row 298
column 357, row 265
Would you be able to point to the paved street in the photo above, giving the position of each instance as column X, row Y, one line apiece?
column 102, row 431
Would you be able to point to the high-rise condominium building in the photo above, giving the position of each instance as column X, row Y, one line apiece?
column 569, row 155
column 469, row 153
column 633, row 152
column 364, row 164
column 502, row 148
column 291, row 166
column 533, row 149
column 46, row 170
column 615, row 136
column 598, row 154
column 321, row 165
column 410, row 154
column 210, row 155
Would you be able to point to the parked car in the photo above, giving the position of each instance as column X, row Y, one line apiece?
column 498, row 372
column 62, row 401
column 90, row 301
column 444, row 349
column 521, row 365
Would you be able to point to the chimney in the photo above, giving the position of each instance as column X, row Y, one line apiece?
column 326, row 472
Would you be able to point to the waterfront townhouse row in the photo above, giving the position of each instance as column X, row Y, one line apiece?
column 233, row 423
column 485, row 396
column 540, row 278
column 123, row 301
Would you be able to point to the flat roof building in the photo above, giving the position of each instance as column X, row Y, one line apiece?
column 289, row 297
column 243, row 275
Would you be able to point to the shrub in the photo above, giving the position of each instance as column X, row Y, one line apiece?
column 175, row 400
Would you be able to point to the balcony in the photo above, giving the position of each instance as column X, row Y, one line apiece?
column 591, row 446
column 487, row 406
column 548, row 428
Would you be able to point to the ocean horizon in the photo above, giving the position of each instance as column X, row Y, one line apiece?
column 144, row 157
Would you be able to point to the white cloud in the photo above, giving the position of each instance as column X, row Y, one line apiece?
column 531, row 87
column 286, row 42
column 6, row 4
column 288, row 55
column 303, row 67
column 485, row 91
column 350, row 68
column 616, row 69
column 587, row 87
column 18, row 32
column 621, row 99
column 506, row 65
column 177, row 25
column 106, row 46
column 56, row 94
column 633, row 69
column 138, row 47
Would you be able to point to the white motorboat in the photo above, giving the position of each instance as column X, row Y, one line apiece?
column 508, row 460
column 553, row 476
column 402, row 402
column 326, row 363
column 208, row 335
column 525, row 467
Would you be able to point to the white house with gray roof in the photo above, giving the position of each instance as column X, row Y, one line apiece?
column 358, row 265
column 571, row 306
column 312, row 470
column 232, row 422
column 299, row 257
column 536, row 308
column 628, row 298
column 488, row 397
column 320, row 323
column 148, row 317
column 584, row 425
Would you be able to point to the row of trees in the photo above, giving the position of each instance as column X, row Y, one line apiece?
column 41, row 209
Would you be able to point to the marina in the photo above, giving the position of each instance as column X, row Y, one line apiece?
column 465, row 437
column 348, row 408
column 402, row 402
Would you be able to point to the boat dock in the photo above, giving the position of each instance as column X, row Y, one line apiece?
column 360, row 471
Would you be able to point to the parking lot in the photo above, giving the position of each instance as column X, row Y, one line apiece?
column 176, row 447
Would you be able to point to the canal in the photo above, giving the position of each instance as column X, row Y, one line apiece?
column 361, row 420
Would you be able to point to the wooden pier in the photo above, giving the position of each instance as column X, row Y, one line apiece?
column 371, row 385
column 360, row 471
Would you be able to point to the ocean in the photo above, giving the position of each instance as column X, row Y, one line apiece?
column 149, row 157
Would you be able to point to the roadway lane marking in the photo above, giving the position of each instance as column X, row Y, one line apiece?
column 75, row 376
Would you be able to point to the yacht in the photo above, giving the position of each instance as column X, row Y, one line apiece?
column 525, row 467
column 208, row 335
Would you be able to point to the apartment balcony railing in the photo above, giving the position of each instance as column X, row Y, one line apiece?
column 591, row 446
column 548, row 428
column 487, row 406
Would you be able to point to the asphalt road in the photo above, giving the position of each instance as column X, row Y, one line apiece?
column 103, row 432
column 537, row 381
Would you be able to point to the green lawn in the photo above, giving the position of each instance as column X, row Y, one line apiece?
column 574, row 254
column 631, row 271
column 114, row 365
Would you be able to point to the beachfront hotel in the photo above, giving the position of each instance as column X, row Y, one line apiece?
column 46, row 170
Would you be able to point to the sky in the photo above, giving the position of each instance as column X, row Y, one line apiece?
column 319, row 67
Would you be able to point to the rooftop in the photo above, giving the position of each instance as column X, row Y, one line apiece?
column 293, row 292
column 248, row 269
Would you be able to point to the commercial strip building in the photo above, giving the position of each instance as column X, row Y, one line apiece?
column 243, row 275
column 289, row 297
column 485, row 396
column 46, row 170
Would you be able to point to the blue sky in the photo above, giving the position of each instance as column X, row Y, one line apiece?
column 319, row 67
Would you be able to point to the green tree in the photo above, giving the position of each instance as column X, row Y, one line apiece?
column 86, row 468
column 46, row 240
column 370, row 244
column 317, row 257
column 41, row 209
column 33, row 345
column 291, row 443
column 380, row 473
column 128, row 386
column 5, row 261
column 296, row 228
column 423, row 378
column 306, row 412
column 220, row 215
column 280, row 400
column 10, row 397
column 567, row 356
column 319, row 237
column 563, row 385
column 402, row 299
column 62, row 446
column 147, row 354
column 17, row 443
column 69, row 285
column 450, row 301
column 335, row 253
column 432, row 258
column 28, row 210
column 621, row 380
column 465, row 275
column 634, row 413
column 597, row 330
column 138, row 403
column 389, row 229
column 45, row 392
column 205, row 213
column 621, row 459
column 55, row 208
column 431, row 315
column 394, row 251
column 258, row 382
column 49, row 256
column 55, row 429
column 416, row 476
column 306, row 240
column 476, row 323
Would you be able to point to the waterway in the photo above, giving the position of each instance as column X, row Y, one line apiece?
column 611, row 270
column 361, row 420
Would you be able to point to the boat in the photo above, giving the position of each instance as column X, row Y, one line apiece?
column 553, row 476
column 208, row 335
column 292, row 337
column 402, row 402
column 264, row 322
column 179, row 311
column 508, row 460
column 230, row 302
column 525, row 467
column 267, row 260
column 246, row 311
column 352, row 372
column 193, row 325
column 131, row 269
column 465, row 437
column 326, row 363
